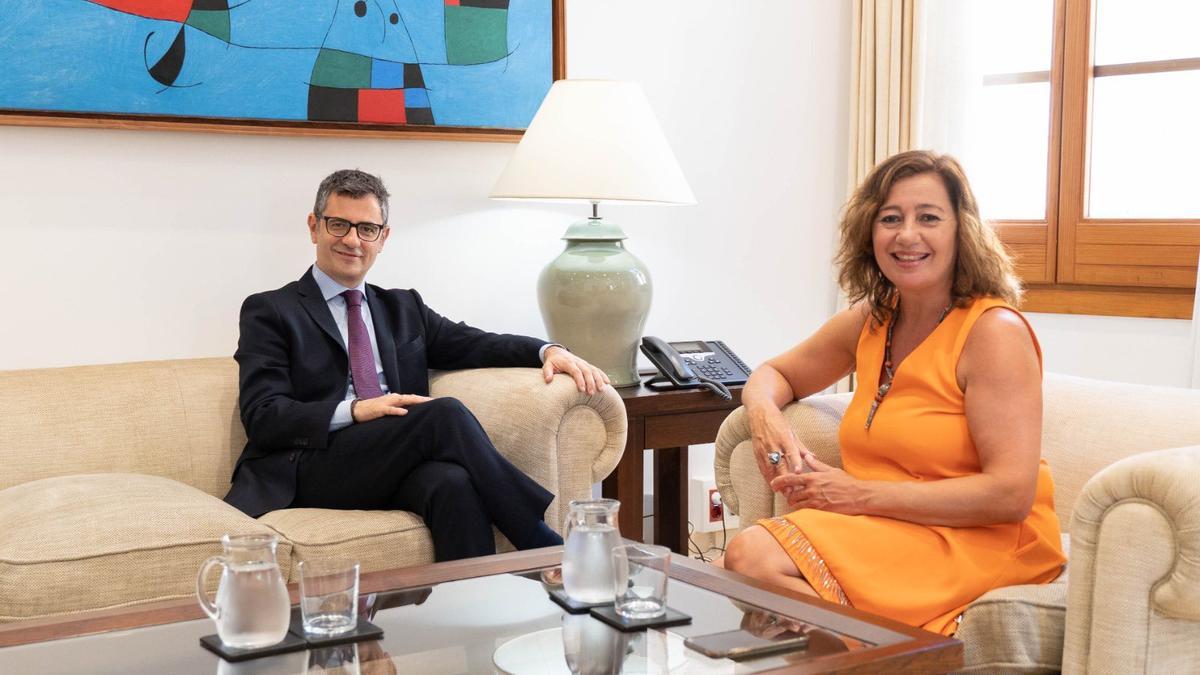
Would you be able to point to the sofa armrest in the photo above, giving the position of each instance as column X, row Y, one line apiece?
column 563, row 439
column 815, row 421
column 1133, row 597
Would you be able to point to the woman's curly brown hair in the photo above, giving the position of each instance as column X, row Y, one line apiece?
column 981, row 265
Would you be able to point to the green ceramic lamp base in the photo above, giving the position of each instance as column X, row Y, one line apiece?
column 595, row 297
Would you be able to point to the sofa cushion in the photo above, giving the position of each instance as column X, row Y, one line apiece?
column 1092, row 423
column 378, row 540
column 93, row 541
column 176, row 419
column 1016, row 629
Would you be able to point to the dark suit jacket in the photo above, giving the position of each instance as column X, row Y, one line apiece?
column 293, row 372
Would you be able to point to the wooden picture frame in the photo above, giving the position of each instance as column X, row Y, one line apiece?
column 195, row 23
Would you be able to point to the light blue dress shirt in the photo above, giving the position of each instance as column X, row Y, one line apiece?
column 332, row 292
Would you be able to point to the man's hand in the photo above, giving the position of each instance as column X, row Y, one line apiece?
column 588, row 378
column 368, row 409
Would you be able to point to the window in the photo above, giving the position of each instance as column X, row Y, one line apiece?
column 1075, row 121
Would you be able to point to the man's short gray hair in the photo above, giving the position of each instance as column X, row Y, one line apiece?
column 352, row 183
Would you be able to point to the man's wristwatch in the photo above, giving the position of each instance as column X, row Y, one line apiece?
column 352, row 404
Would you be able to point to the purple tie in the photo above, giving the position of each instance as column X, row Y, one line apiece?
column 362, row 361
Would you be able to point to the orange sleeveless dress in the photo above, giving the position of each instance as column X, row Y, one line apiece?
column 918, row 574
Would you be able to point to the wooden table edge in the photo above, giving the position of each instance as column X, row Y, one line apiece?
column 187, row 609
column 922, row 651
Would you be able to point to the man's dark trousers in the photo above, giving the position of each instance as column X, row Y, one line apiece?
column 437, row 462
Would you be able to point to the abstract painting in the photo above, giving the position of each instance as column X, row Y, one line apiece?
column 431, row 64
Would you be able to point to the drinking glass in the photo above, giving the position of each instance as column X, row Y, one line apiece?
column 640, row 573
column 328, row 596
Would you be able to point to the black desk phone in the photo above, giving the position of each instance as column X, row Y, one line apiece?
column 696, row 363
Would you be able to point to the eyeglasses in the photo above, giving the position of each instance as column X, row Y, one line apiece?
column 340, row 227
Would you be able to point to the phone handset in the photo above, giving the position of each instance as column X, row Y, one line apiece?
column 671, row 364
column 668, row 361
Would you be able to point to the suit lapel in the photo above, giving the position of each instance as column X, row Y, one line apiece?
column 381, row 319
column 314, row 303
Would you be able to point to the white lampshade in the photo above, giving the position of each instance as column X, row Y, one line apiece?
column 594, row 140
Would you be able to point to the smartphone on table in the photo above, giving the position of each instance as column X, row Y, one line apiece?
column 742, row 644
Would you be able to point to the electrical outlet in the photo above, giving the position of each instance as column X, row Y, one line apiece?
column 716, row 507
column 705, row 513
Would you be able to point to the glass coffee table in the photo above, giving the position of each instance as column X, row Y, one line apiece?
column 494, row 615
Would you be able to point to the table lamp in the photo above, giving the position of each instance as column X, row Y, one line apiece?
column 595, row 141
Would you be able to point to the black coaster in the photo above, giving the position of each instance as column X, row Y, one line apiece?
column 574, row 606
column 290, row 643
column 609, row 616
column 365, row 630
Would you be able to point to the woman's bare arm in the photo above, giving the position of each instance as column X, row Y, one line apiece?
column 809, row 367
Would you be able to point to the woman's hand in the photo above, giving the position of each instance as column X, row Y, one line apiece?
column 767, row 625
column 824, row 488
column 770, row 433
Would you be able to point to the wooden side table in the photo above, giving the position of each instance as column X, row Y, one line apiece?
column 666, row 422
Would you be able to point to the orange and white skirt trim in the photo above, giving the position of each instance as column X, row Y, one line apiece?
column 810, row 563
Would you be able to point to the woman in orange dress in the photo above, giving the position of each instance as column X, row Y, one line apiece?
column 943, row 494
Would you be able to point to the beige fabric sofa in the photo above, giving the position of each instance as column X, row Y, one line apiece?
column 1130, row 492
column 111, row 477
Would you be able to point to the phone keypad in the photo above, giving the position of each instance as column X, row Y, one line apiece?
column 740, row 364
column 712, row 367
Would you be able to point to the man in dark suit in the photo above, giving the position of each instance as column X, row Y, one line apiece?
column 334, row 391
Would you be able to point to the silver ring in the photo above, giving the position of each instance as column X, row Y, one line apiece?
column 774, row 457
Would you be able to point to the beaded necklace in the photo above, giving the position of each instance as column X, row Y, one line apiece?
column 888, row 369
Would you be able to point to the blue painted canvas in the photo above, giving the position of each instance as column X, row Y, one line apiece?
column 462, row 63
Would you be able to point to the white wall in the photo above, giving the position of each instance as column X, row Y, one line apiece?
column 1145, row 351
column 753, row 100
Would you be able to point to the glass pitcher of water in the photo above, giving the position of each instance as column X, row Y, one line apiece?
column 252, row 608
column 587, row 565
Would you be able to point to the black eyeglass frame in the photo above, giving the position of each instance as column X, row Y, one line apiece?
column 357, row 228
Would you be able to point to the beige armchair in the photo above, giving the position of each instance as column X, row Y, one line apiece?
column 1126, row 466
